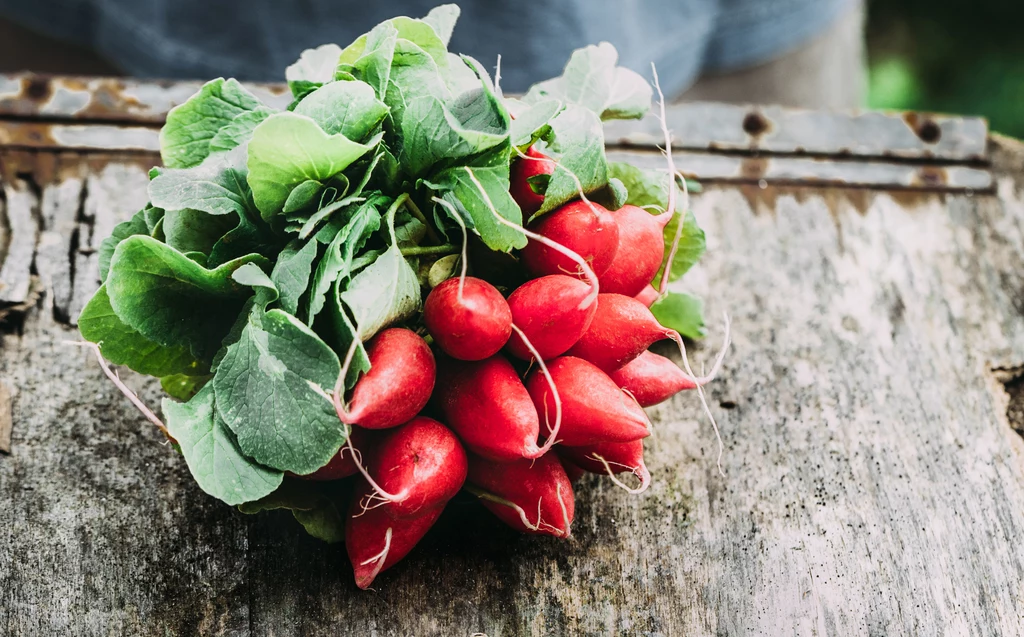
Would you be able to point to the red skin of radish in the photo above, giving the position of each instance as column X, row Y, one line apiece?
column 622, row 328
column 424, row 457
column 548, row 311
column 648, row 295
column 527, row 483
column 594, row 409
column 652, row 379
column 621, row 457
column 640, row 252
column 365, row 536
column 571, row 469
column 473, row 329
column 588, row 229
column 486, row 404
column 342, row 465
column 521, row 170
column 398, row 385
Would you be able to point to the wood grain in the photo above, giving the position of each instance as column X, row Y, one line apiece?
column 873, row 485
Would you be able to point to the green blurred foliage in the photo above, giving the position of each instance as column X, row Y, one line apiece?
column 949, row 56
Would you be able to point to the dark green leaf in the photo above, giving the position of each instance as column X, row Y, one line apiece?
column 291, row 272
column 315, row 505
column 302, row 196
column 337, row 260
column 578, row 136
column 183, row 386
column 481, row 194
column 683, row 313
column 136, row 225
column 196, row 231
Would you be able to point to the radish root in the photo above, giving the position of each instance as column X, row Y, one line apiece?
column 379, row 557
column 463, row 259
column 129, row 394
column 672, row 172
column 552, row 431
column 639, row 471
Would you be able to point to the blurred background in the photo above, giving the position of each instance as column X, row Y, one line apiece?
column 945, row 56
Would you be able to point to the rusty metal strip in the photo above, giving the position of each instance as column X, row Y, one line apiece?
column 87, row 137
column 712, row 127
column 808, row 171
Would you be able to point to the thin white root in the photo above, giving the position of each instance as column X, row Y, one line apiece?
column 381, row 557
column 702, row 380
column 497, row 77
column 552, row 431
column 129, row 394
column 565, row 511
column 672, row 172
column 463, row 259
column 490, row 497
column 640, row 472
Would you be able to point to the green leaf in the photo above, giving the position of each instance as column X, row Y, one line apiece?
column 371, row 59
column 384, row 293
column 577, row 134
column 414, row 73
column 239, row 131
column 291, row 272
column 136, row 225
column 172, row 300
column 196, row 231
column 433, row 134
column 122, row 345
column 683, row 313
column 183, row 386
column 612, row 197
column 691, row 246
column 349, row 108
column 212, row 453
column 314, row 66
column 337, row 260
column 288, row 149
column 480, row 194
column 251, row 236
column 533, row 122
column 592, row 80
column 302, row 196
column 185, row 137
column 315, row 506
column 342, row 334
column 442, row 20
column 646, row 187
column 217, row 186
column 264, row 394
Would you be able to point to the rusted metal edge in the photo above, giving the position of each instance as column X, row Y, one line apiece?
column 709, row 126
column 704, row 126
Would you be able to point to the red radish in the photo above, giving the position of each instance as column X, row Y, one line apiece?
column 610, row 458
column 648, row 295
column 652, row 379
column 586, row 228
column 535, row 163
column 470, row 321
column 486, row 404
column 532, row 496
column 640, row 251
column 375, row 541
column 424, row 461
column 398, row 384
column 343, row 464
column 594, row 409
column 622, row 328
column 574, row 471
column 553, row 311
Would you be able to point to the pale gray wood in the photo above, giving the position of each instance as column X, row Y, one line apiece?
column 873, row 483
column 22, row 229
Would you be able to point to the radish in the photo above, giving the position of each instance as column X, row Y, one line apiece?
column 610, row 458
column 398, row 384
column 532, row 496
column 343, row 464
column 423, row 460
column 651, row 379
column 486, row 404
column 375, row 541
column 574, row 471
column 468, row 318
column 593, row 408
column 648, row 295
column 553, row 312
column 586, row 228
column 640, row 251
column 533, row 164
column 622, row 328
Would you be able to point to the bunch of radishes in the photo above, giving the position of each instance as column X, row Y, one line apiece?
column 522, row 392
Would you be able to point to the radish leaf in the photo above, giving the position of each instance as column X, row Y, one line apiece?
column 217, row 186
column 349, row 108
column 577, row 135
column 185, row 137
column 681, row 312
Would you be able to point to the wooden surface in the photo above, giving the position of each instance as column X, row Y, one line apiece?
column 873, row 481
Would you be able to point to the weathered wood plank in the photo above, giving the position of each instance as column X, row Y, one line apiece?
column 873, row 484
column 22, row 230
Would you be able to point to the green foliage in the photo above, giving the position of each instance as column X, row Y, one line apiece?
column 683, row 313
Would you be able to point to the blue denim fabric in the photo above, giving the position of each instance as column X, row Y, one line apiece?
column 257, row 39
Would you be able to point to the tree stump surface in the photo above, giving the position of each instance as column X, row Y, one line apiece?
column 869, row 407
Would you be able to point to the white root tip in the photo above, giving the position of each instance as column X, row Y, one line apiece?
column 380, row 558
column 552, row 431
column 639, row 471
column 463, row 259
column 565, row 512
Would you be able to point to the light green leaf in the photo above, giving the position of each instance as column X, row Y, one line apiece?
column 691, row 246
column 217, row 186
column 238, row 131
column 291, row 272
column 646, row 187
column 264, row 395
column 288, row 149
column 370, row 59
column 172, row 300
column 683, row 313
column 314, row 66
column 185, row 137
column 122, row 345
column 577, row 134
column 414, row 73
column 442, row 20
column 349, row 108
column 212, row 453
column 533, row 122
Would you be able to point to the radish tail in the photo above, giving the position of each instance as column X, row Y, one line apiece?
column 552, row 431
